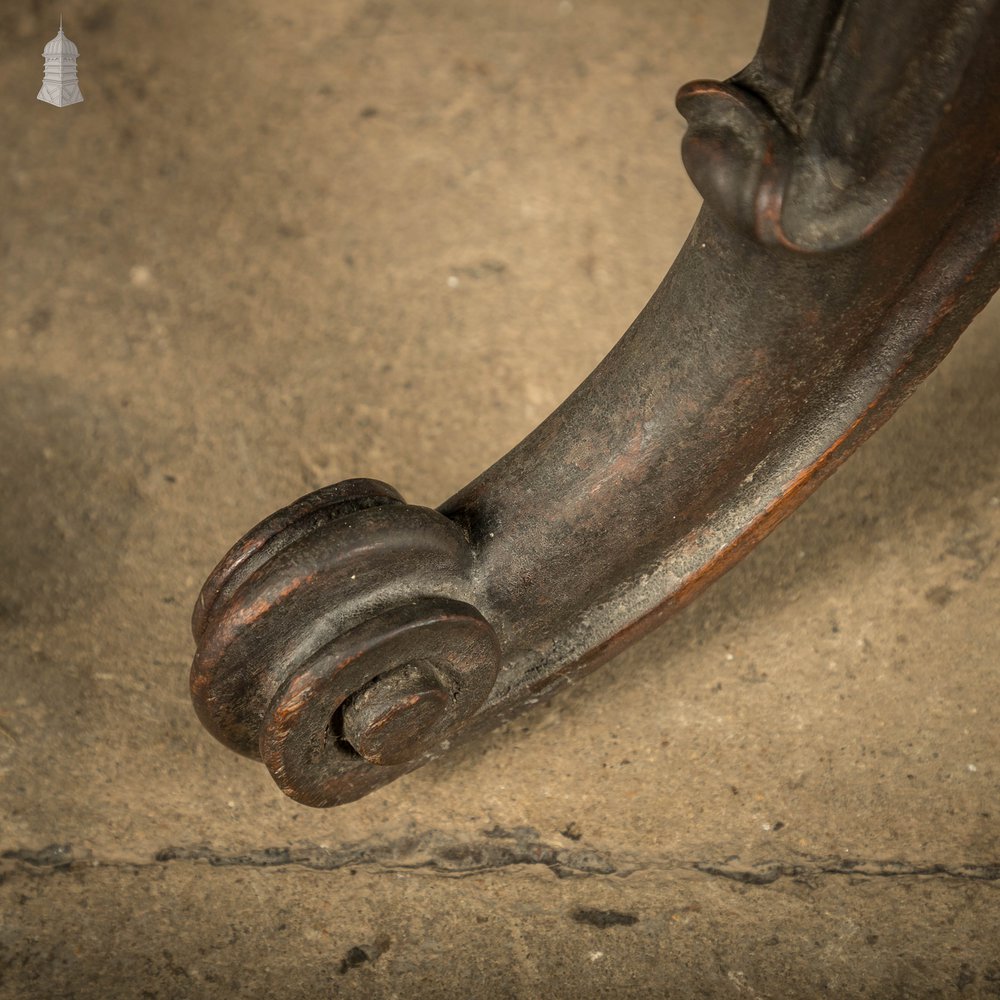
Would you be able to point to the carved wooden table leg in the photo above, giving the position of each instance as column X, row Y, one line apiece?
column 852, row 210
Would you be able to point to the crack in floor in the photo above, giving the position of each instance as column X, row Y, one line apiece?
column 437, row 854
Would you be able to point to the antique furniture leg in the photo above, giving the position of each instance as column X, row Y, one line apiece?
column 852, row 210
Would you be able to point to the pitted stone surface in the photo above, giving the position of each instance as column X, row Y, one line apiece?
column 404, row 236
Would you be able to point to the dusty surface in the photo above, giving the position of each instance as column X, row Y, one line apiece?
column 284, row 244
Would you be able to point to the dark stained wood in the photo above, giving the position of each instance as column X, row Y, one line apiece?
column 851, row 178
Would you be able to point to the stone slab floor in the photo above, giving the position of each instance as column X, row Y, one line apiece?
column 281, row 244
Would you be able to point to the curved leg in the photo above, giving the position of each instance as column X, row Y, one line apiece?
column 852, row 187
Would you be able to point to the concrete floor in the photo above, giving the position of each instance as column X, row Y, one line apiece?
column 284, row 244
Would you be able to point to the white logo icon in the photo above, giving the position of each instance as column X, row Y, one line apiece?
column 60, row 86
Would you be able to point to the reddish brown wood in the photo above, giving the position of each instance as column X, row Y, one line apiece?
column 852, row 212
